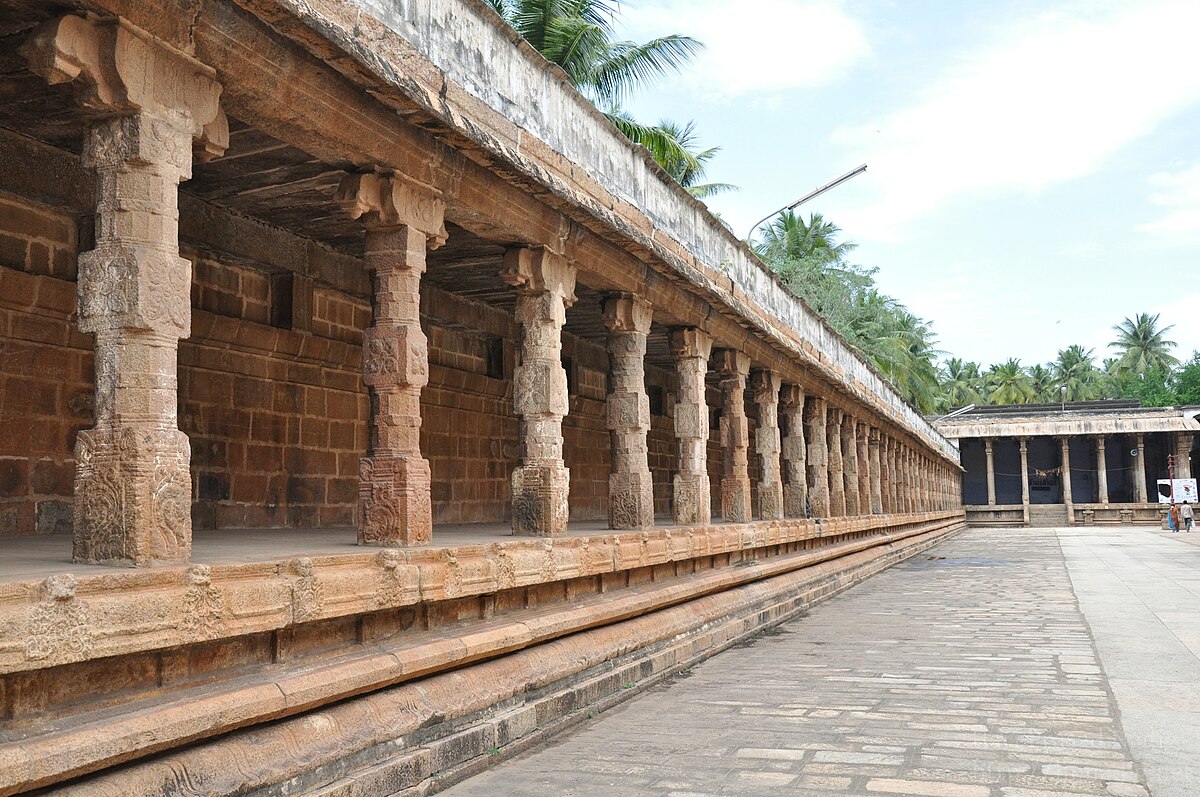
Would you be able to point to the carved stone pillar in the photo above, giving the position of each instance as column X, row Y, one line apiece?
column 545, row 284
column 875, row 471
column 692, row 500
column 910, row 480
column 864, row 467
column 818, row 457
column 151, row 106
column 795, row 454
column 735, row 438
column 1139, row 470
column 766, row 386
column 1102, row 469
column 850, row 464
column 1025, row 479
column 402, row 222
column 885, row 471
column 837, row 484
column 630, row 488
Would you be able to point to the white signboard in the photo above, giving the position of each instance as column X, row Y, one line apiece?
column 1185, row 490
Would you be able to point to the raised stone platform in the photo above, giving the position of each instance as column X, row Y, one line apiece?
column 105, row 669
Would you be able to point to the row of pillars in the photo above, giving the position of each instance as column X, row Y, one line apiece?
column 1183, row 469
column 154, row 108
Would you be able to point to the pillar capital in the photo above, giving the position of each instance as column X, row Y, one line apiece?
column 382, row 200
column 765, row 385
column 732, row 362
column 987, row 444
column 791, row 396
column 539, row 269
column 690, row 343
column 118, row 69
column 627, row 312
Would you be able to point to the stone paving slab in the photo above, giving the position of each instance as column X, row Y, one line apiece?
column 969, row 671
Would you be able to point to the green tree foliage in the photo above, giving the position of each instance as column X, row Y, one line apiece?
column 962, row 384
column 1075, row 376
column 578, row 35
column 1008, row 383
column 1042, row 380
column 1187, row 381
column 812, row 261
column 1142, row 346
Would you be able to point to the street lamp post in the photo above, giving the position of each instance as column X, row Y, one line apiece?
column 810, row 195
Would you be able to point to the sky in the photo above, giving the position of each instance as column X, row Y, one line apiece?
column 1033, row 167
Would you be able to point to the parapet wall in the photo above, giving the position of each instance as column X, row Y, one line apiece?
column 528, row 115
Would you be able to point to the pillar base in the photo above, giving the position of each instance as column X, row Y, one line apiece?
column 539, row 496
column 693, row 502
column 133, row 496
column 393, row 501
column 770, row 502
column 630, row 501
column 735, row 500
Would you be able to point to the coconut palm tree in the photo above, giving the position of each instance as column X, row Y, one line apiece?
column 789, row 236
column 578, row 35
column 689, row 172
column 1042, row 380
column 1009, row 384
column 1141, row 346
column 962, row 384
column 1075, row 375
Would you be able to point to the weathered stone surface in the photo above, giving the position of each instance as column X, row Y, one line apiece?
column 795, row 454
column 767, row 445
column 734, row 367
column 631, row 488
column 692, row 499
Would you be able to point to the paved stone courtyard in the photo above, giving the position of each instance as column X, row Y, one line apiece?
column 1003, row 663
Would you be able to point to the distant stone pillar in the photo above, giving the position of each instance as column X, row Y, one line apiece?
column 402, row 222
column 837, row 487
column 991, row 471
column 735, row 438
column 692, row 498
column 1068, row 496
column 818, row 457
column 766, row 385
column 545, row 284
column 150, row 107
column 1025, row 479
column 875, row 471
column 850, row 464
column 891, row 503
column 795, row 454
column 1139, row 471
column 630, row 487
column 1183, row 455
column 1102, row 469
column 861, row 432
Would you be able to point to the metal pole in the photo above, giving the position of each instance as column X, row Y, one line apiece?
column 810, row 195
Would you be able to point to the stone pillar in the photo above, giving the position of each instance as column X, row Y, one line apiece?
column 735, row 438
column 991, row 471
column 875, row 472
column 630, row 488
column 818, row 457
column 1102, row 469
column 1068, row 497
column 1183, row 455
column 1025, row 479
column 402, row 222
column 864, row 468
column 893, row 477
column 795, row 454
column 545, row 284
column 766, row 386
column 150, row 107
column 837, row 487
column 850, row 464
column 1139, row 470
column 692, row 500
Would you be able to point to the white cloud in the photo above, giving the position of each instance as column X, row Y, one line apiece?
column 757, row 46
column 1046, row 101
column 1178, row 192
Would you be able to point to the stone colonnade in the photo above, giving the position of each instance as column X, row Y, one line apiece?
column 153, row 109
column 1180, row 448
